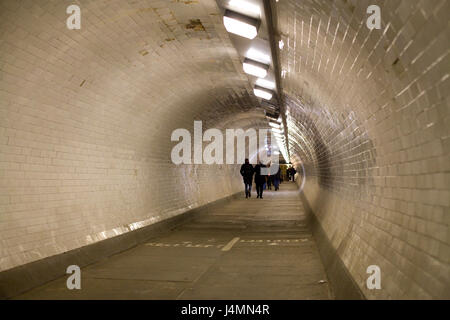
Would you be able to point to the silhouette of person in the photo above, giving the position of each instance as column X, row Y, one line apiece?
column 247, row 174
column 259, row 179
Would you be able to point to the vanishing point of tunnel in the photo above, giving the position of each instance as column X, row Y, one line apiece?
column 125, row 124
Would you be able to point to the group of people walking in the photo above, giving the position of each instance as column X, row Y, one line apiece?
column 291, row 173
column 247, row 172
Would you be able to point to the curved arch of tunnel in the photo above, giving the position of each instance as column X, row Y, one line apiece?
column 86, row 126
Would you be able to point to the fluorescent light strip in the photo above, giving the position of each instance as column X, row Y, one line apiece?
column 265, row 83
column 255, row 68
column 241, row 25
column 262, row 93
column 274, row 125
column 257, row 55
column 277, row 131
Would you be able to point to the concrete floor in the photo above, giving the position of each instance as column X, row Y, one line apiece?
column 247, row 249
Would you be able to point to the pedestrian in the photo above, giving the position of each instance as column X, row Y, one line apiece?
column 269, row 179
column 293, row 172
column 276, row 179
column 247, row 171
column 260, row 179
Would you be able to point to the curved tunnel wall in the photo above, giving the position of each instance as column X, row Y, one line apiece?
column 368, row 116
column 86, row 118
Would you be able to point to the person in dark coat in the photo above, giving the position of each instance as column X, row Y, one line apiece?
column 293, row 172
column 276, row 179
column 247, row 174
column 269, row 179
column 259, row 179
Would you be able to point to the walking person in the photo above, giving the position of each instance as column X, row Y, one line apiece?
column 259, row 180
column 293, row 172
column 276, row 179
column 247, row 171
column 269, row 180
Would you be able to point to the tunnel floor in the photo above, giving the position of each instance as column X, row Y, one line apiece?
column 246, row 249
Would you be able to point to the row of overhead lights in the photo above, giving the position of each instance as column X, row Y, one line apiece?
column 278, row 131
column 256, row 63
column 247, row 27
column 277, row 128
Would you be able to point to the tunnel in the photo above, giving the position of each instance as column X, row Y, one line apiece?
column 87, row 178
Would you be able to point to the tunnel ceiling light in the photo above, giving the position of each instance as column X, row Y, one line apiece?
column 245, row 6
column 265, row 83
column 276, row 121
column 255, row 68
column 257, row 55
column 277, row 133
column 274, row 125
column 241, row 25
column 262, row 93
